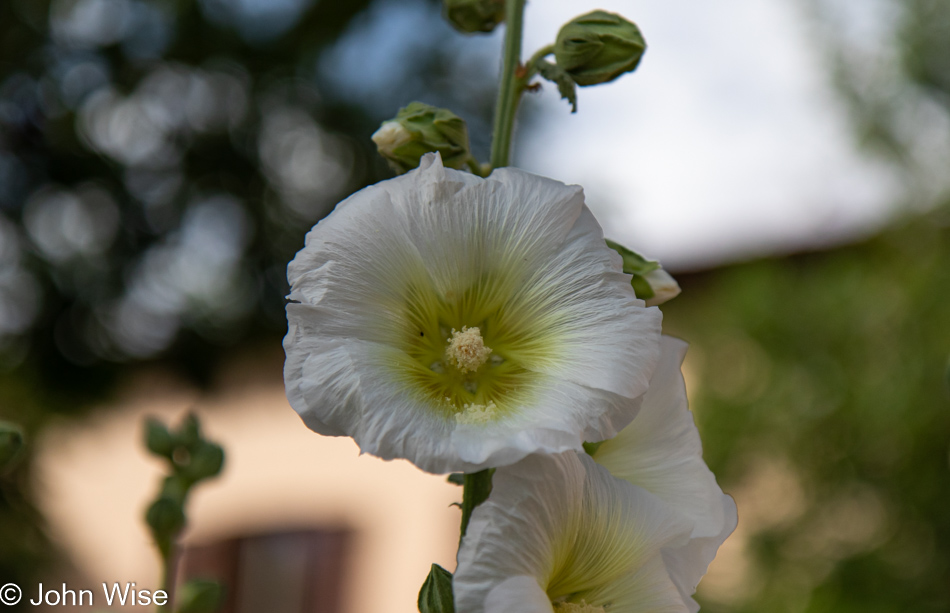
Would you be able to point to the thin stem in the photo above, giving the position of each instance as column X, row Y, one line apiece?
column 169, row 577
column 475, row 489
column 511, row 85
column 532, row 64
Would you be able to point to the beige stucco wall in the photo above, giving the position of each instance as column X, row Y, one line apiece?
column 94, row 480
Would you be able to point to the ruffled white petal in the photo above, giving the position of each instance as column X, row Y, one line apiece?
column 518, row 595
column 688, row 563
column 577, row 531
column 531, row 249
column 661, row 449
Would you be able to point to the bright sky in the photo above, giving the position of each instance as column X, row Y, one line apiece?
column 728, row 141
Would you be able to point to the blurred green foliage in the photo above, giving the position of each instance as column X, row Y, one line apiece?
column 820, row 392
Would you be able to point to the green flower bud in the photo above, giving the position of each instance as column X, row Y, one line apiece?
column 474, row 15
column 436, row 593
column 11, row 446
column 598, row 47
column 419, row 129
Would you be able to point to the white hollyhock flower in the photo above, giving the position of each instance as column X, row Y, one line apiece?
column 462, row 323
column 560, row 534
column 661, row 451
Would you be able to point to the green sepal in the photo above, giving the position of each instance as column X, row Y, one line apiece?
column 598, row 47
column 12, row 444
column 642, row 287
column 200, row 596
column 565, row 84
column 633, row 262
column 456, row 478
column 638, row 266
column 436, row 593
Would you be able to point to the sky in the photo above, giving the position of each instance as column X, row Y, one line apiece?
column 727, row 142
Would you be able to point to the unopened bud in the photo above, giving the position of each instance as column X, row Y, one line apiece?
column 650, row 282
column 419, row 129
column 663, row 286
column 474, row 15
column 598, row 47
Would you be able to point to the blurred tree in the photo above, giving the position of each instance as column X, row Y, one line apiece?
column 821, row 393
column 160, row 163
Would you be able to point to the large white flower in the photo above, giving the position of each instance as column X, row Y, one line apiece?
column 661, row 451
column 462, row 323
column 560, row 534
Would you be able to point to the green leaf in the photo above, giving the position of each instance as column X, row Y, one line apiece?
column 11, row 446
column 476, row 488
column 158, row 439
column 166, row 519
column 565, row 84
column 436, row 593
column 206, row 461
column 200, row 596
column 189, row 433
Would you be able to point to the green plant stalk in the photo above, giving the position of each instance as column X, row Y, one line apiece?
column 512, row 85
column 169, row 576
column 475, row 489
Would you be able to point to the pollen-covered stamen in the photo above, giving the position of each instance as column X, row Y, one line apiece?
column 577, row 607
column 477, row 413
column 466, row 350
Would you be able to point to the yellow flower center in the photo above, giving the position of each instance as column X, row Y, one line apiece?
column 577, row 607
column 467, row 350
column 472, row 352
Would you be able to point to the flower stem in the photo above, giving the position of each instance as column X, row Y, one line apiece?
column 475, row 489
column 511, row 86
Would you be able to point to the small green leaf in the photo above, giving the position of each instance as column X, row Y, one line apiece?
column 189, row 433
column 565, row 84
column 436, row 593
column 456, row 478
column 11, row 446
column 200, row 596
column 158, row 439
column 206, row 461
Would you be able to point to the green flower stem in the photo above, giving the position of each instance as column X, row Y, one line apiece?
column 511, row 86
column 475, row 489
column 532, row 64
